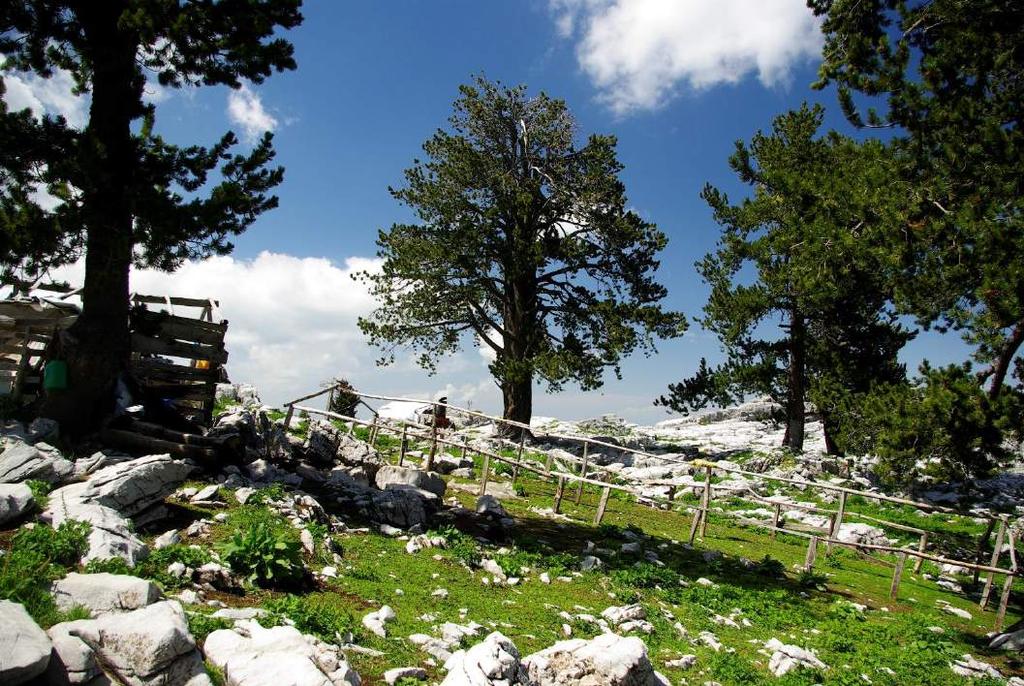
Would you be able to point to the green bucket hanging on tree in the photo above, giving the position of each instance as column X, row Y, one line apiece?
column 55, row 375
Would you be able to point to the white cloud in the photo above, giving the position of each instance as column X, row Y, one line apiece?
column 245, row 108
column 46, row 96
column 292, row 320
column 639, row 53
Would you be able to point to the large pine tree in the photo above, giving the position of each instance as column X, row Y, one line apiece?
column 798, row 286
column 125, row 193
column 947, row 77
column 525, row 242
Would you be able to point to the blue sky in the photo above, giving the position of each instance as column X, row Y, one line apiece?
column 676, row 82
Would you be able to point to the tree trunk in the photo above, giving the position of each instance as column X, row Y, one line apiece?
column 517, row 396
column 97, row 347
column 1002, row 363
column 828, row 425
column 796, row 392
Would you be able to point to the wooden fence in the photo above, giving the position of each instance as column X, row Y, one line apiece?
column 609, row 480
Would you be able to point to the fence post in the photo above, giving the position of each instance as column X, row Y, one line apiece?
column 288, row 417
column 519, row 458
column 465, row 448
column 776, row 518
column 559, row 491
column 371, row 434
column 486, row 474
column 583, row 472
column 837, row 522
column 694, row 524
column 1004, row 599
column 981, row 547
column 429, row 463
column 994, row 561
column 602, row 505
column 897, row 575
column 706, row 502
column 548, row 462
column 812, row 553
column 404, row 447
column 920, row 548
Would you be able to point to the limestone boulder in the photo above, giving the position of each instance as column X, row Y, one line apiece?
column 111, row 535
column 250, row 655
column 607, row 660
column 24, row 647
column 16, row 501
column 133, row 486
column 72, row 661
column 151, row 646
column 20, row 461
column 785, row 658
column 410, row 476
column 404, row 507
column 492, row 662
column 103, row 593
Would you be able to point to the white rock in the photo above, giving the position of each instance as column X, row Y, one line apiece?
column 491, row 662
column 785, row 658
column 375, row 621
column 167, row 539
column 24, row 647
column 15, row 501
column 392, row 676
column 146, row 647
column 205, row 494
column 410, row 476
column 684, row 662
column 131, row 487
column 625, row 613
column 72, row 661
column 112, row 535
column 21, row 461
column 251, row 655
column 608, row 659
column 493, row 568
column 972, row 668
column 102, row 593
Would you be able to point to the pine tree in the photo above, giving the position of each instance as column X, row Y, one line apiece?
column 798, row 288
column 524, row 242
column 125, row 193
column 947, row 74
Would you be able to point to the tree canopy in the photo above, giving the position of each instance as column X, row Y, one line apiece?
column 799, row 286
column 945, row 75
column 524, row 243
column 122, row 192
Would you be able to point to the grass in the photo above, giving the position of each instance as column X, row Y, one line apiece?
column 754, row 579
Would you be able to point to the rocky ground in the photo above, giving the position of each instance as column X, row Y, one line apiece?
column 317, row 560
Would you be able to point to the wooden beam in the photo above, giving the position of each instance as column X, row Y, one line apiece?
column 148, row 345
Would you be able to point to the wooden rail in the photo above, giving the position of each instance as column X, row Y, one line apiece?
column 701, row 512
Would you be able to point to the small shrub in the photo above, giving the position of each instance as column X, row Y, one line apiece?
column 770, row 567
column 645, row 575
column 155, row 565
column 317, row 613
column 110, row 565
column 62, row 546
column 40, row 492
column 265, row 556
column 202, row 625
column 462, row 547
column 266, row 494
column 39, row 555
column 810, row 579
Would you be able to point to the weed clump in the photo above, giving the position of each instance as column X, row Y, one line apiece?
column 264, row 556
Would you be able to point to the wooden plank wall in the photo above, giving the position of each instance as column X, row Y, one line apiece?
column 196, row 346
